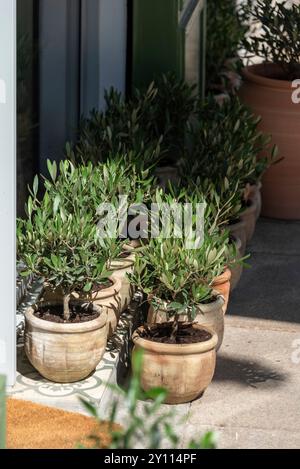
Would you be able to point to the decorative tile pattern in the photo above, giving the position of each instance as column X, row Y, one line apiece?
column 30, row 385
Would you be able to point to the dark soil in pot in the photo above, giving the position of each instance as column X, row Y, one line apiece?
column 186, row 333
column 125, row 254
column 54, row 313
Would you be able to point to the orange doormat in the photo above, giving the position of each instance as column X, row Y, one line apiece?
column 33, row 426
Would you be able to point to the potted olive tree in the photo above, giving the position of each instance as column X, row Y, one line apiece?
column 269, row 88
column 66, row 333
column 179, row 353
column 117, row 184
column 224, row 145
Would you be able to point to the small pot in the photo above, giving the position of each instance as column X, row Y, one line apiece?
column 255, row 197
column 132, row 244
column 249, row 216
column 222, row 285
column 236, row 270
column 238, row 230
column 121, row 267
column 65, row 353
column 108, row 298
column 184, row 370
column 209, row 315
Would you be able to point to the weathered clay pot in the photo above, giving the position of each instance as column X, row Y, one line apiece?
column 65, row 353
column 249, row 217
column 237, row 269
column 222, row 285
column 239, row 231
column 255, row 197
column 132, row 244
column 269, row 94
column 209, row 315
column 184, row 370
column 108, row 298
column 121, row 267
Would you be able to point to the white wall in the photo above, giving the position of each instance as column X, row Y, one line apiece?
column 7, row 189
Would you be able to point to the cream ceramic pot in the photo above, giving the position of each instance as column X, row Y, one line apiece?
column 121, row 268
column 184, row 370
column 65, row 353
column 237, row 269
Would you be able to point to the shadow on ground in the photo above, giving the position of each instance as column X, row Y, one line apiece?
column 249, row 373
column 270, row 288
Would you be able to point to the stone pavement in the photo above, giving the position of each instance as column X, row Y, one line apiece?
column 254, row 399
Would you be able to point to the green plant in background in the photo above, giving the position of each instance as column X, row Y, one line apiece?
column 224, row 145
column 225, row 30
column 146, row 425
column 122, row 128
column 174, row 106
column 63, row 246
column 223, row 201
column 149, row 126
column 2, row 412
column 276, row 35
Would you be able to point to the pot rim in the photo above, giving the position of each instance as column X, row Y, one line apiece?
column 132, row 245
column 256, row 186
column 177, row 349
column 250, row 209
column 123, row 263
column 236, row 240
column 108, row 292
column 64, row 328
column 223, row 278
column 251, row 73
column 239, row 224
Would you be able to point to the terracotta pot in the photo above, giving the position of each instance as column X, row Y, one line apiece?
column 65, row 353
column 249, row 217
column 237, row 270
column 238, row 230
column 133, row 244
column 209, row 315
column 121, row 267
column 185, row 370
column 255, row 197
column 108, row 298
column 221, row 284
column 270, row 96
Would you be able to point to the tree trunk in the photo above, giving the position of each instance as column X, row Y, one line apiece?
column 67, row 313
column 175, row 327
